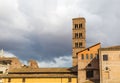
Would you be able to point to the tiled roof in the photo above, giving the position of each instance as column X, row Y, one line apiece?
column 40, row 72
column 37, row 75
column 111, row 48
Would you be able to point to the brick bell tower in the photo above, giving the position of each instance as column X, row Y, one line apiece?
column 78, row 37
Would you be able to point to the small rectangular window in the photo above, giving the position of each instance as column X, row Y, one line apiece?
column 87, row 56
column 82, row 56
column 105, row 57
column 9, row 80
column 91, row 56
column 89, row 74
column 23, row 80
column 97, row 56
column 69, row 79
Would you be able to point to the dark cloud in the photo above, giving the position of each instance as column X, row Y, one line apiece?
column 42, row 29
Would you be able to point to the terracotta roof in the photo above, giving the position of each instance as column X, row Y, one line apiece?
column 39, row 70
column 111, row 48
column 37, row 75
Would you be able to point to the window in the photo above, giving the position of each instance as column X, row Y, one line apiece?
column 91, row 56
column 1, row 72
column 76, row 45
column 9, row 80
column 97, row 56
column 88, row 49
column 80, row 25
column 76, row 35
column 89, row 73
column 76, row 26
column 89, row 65
column 80, row 35
column 69, row 79
column 87, row 56
column 23, row 80
column 80, row 44
column 82, row 56
column 105, row 57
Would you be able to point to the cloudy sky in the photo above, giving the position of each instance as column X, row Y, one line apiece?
column 42, row 29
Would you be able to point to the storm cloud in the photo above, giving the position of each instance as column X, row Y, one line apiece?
column 42, row 29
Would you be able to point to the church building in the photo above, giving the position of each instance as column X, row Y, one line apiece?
column 89, row 64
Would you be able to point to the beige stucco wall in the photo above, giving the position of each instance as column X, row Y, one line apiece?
column 112, row 75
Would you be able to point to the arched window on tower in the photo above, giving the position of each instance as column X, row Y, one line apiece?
column 76, row 45
column 80, row 35
column 76, row 26
column 80, row 25
column 80, row 44
column 76, row 35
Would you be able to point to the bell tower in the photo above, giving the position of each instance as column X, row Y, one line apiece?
column 78, row 37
